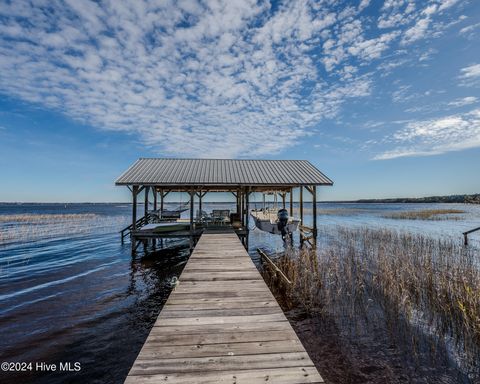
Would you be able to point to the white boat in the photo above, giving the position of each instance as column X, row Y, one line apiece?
column 274, row 221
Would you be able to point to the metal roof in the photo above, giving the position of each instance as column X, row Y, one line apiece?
column 222, row 172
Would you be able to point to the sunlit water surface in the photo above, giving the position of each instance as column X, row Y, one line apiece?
column 71, row 292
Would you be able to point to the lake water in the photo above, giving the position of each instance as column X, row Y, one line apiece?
column 71, row 292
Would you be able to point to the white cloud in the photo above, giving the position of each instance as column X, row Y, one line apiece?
column 435, row 136
column 363, row 4
column 470, row 72
column 222, row 78
column 417, row 32
column 470, row 76
column 463, row 101
column 470, row 30
column 444, row 4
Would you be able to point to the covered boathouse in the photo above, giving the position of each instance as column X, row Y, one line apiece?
column 157, row 177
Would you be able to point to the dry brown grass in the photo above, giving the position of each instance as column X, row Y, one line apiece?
column 428, row 285
column 45, row 218
column 32, row 227
column 337, row 211
column 427, row 214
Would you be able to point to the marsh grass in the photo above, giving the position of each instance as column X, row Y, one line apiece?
column 337, row 211
column 427, row 214
column 33, row 227
column 417, row 287
column 45, row 218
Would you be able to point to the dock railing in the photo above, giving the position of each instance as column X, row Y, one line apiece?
column 138, row 224
column 465, row 235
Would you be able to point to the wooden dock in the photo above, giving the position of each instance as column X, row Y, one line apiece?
column 222, row 325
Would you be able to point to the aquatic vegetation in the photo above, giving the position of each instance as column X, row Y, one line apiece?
column 33, row 227
column 427, row 214
column 419, row 287
column 339, row 211
column 45, row 218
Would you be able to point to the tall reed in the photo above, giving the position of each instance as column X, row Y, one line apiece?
column 427, row 214
column 420, row 284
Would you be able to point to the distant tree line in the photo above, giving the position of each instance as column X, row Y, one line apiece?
column 469, row 199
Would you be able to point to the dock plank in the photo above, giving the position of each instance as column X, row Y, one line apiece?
column 222, row 324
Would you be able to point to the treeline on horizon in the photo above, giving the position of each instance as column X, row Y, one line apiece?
column 468, row 199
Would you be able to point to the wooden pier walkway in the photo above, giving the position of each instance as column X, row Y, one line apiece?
column 222, row 325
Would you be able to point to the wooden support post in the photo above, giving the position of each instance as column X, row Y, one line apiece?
column 291, row 201
column 247, row 195
column 238, row 203
column 147, row 189
column 154, row 198
column 465, row 239
column 313, row 191
column 247, row 214
column 200, row 203
column 301, row 212
column 134, row 207
column 161, row 201
column 192, row 194
column 284, row 195
column 314, row 212
column 134, row 217
column 242, row 210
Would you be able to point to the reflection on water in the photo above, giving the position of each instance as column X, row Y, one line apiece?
column 69, row 295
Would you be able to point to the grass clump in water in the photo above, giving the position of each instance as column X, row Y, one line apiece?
column 418, row 287
column 426, row 214
column 32, row 227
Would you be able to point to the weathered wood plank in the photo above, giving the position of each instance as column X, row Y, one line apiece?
column 153, row 350
column 222, row 324
column 220, row 275
column 220, row 328
column 290, row 375
column 170, row 312
column 222, row 363
column 215, row 338
column 193, row 305
column 222, row 319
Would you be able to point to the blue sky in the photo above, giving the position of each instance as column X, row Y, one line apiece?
column 383, row 96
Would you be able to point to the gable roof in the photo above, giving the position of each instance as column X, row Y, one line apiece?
column 222, row 172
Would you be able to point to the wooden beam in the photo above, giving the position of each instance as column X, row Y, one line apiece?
column 134, row 207
column 314, row 213
column 238, row 203
column 309, row 189
column 291, row 202
column 147, row 189
column 301, row 210
column 162, row 197
column 192, row 194
column 247, row 213
column 301, row 204
column 242, row 206
column 138, row 188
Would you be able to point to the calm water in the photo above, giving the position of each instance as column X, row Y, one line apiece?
column 70, row 292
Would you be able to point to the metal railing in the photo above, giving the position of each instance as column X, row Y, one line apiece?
column 465, row 234
column 138, row 224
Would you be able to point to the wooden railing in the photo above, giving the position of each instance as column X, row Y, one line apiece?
column 465, row 234
column 138, row 224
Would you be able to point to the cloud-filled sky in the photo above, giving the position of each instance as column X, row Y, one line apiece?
column 354, row 86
